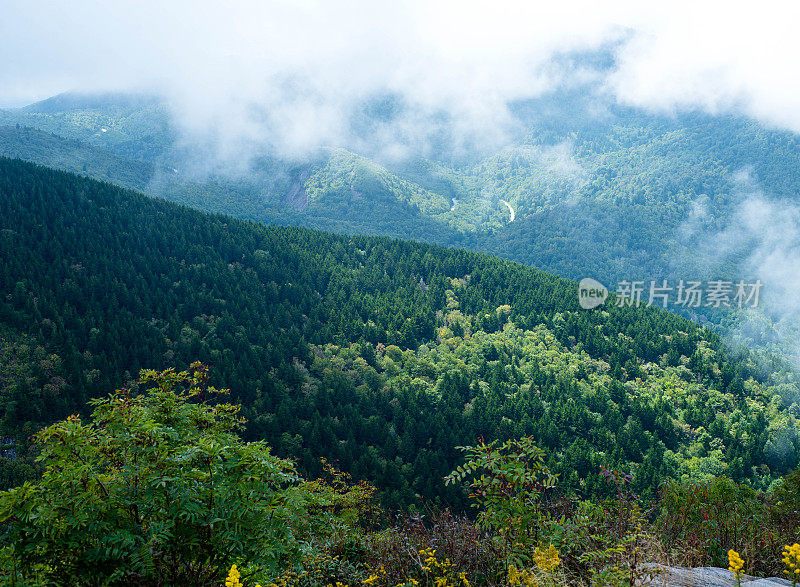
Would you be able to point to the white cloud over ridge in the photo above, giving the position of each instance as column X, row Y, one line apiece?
column 279, row 74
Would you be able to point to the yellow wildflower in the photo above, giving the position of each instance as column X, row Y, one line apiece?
column 791, row 558
column 735, row 564
column 524, row 578
column 546, row 559
column 234, row 577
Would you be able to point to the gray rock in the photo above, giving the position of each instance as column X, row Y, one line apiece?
column 662, row 576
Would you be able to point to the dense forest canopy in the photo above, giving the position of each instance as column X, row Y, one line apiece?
column 620, row 194
column 378, row 354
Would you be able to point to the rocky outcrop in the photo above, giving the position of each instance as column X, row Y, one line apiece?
column 659, row 575
column 297, row 197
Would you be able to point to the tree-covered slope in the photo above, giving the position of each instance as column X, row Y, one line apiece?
column 616, row 193
column 378, row 354
column 595, row 188
column 51, row 150
column 335, row 190
column 131, row 125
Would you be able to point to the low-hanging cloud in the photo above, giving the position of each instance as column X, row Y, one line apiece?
column 253, row 77
column 757, row 237
column 712, row 57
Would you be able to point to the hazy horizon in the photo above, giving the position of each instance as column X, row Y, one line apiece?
column 306, row 63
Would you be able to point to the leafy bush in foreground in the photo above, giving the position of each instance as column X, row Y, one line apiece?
column 157, row 487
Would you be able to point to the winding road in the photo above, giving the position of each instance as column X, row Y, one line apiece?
column 511, row 210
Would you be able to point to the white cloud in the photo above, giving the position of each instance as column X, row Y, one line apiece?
column 272, row 73
column 714, row 57
column 757, row 239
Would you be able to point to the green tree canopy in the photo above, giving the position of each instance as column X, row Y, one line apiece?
column 157, row 488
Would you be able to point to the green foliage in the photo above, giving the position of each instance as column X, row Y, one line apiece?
column 334, row 506
column 705, row 519
column 576, row 181
column 534, row 528
column 132, row 126
column 32, row 392
column 378, row 355
column 506, row 482
column 74, row 156
column 787, row 498
column 156, row 487
column 395, row 553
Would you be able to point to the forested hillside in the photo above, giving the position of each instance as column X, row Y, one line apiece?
column 380, row 355
column 131, row 125
column 596, row 189
column 51, row 150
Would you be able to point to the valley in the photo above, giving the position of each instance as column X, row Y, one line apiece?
column 385, row 329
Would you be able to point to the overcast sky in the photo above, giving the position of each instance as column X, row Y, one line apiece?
column 214, row 60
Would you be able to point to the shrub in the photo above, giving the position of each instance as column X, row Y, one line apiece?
column 156, row 488
column 506, row 482
column 396, row 550
column 704, row 519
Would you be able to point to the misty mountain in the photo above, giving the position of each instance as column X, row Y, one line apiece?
column 596, row 189
column 75, row 156
column 131, row 125
column 379, row 354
